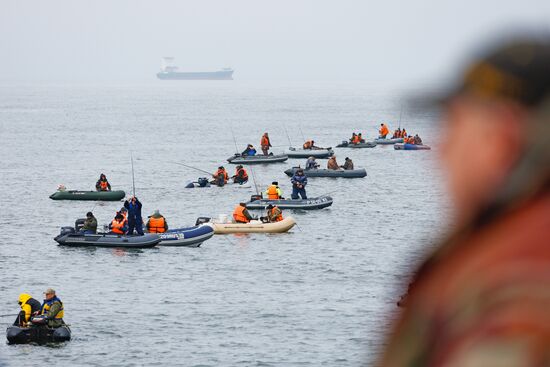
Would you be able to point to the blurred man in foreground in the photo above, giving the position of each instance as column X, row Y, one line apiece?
column 483, row 298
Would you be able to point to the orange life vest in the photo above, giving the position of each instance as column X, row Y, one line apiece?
column 156, row 225
column 103, row 185
column 384, row 130
column 245, row 175
column 279, row 217
column 224, row 172
column 403, row 133
column 356, row 139
column 308, row 144
column 272, row 192
column 239, row 216
column 117, row 226
column 265, row 141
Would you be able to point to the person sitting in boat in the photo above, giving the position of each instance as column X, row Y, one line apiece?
column 29, row 306
column 241, row 176
column 273, row 191
column 384, row 131
column 417, row 140
column 403, row 133
column 348, row 164
column 241, row 214
column 358, row 139
column 310, row 144
column 332, row 164
column 274, row 214
column 90, row 224
column 52, row 309
column 299, row 182
column 397, row 133
column 352, row 139
column 311, row 163
column 265, row 143
column 102, row 184
column 157, row 223
column 124, row 212
column 220, row 177
column 249, row 151
column 135, row 220
column 119, row 224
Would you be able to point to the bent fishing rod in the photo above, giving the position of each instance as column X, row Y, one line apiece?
column 133, row 178
column 191, row 167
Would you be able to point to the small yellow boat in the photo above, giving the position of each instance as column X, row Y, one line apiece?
column 255, row 226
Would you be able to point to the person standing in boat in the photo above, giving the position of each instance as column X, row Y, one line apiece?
column 273, row 191
column 299, row 182
column 29, row 306
column 311, row 163
column 90, row 224
column 157, row 223
column 52, row 309
column 265, row 143
column 241, row 214
column 220, row 177
column 102, row 184
column 249, row 151
column 332, row 164
column 384, row 131
column 348, row 164
column 241, row 176
column 135, row 220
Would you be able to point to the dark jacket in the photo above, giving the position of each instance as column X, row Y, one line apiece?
column 348, row 164
column 296, row 179
column 90, row 224
column 134, row 210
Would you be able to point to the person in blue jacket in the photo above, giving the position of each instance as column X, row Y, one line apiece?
column 133, row 205
column 299, row 182
column 249, row 151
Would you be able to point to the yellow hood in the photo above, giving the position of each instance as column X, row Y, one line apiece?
column 24, row 297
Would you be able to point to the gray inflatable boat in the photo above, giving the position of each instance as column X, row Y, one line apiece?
column 353, row 173
column 306, row 204
column 306, row 153
column 69, row 237
column 346, row 144
column 257, row 159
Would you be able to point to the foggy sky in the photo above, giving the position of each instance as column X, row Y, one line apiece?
column 123, row 40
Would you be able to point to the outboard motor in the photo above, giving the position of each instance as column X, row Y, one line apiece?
column 345, row 143
column 255, row 197
column 78, row 224
column 202, row 181
column 66, row 230
column 202, row 220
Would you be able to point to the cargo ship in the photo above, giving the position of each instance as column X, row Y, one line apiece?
column 169, row 71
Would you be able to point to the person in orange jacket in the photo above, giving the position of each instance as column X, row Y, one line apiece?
column 241, row 214
column 157, row 223
column 265, row 143
column 384, row 131
column 220, row 177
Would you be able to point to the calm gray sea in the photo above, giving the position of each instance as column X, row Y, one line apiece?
column 321, row 295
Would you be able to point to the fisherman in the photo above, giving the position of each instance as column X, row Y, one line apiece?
column 352, row 139
column 332, row 164
column 29, row 306
column 299, row 182
column 90, row 224
column 102, row 184
column 157, row 223
column 310, row 144
column 274, row 214
column 119, row 224
column 397, row 133
column 273, row 191
column 348, row 164
column 241, row 214
column 241, row 176
column 403, row 133
column 417, row 140
column 220, row 177
column 357, row 140
column 482, row 297
column 135, row 219
column 52, row 309
column 249, row 151
column 311, row 163
column 384, row 131
column 265, row 143
column 124, row 212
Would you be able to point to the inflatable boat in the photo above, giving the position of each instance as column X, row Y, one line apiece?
column 346, row 144
column 37, row 334
column 88, row 195
column 305, row 204
column 257, row 159
column 204, row 182
column 69, row 237
column 411, row 147
column 189, row 237
column 352, row 173
column 255, row 226
column 381, row 141
column 306, row 153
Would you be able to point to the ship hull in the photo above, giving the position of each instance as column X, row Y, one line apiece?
column 214, row 75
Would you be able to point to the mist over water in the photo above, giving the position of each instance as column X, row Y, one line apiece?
column 322, row 294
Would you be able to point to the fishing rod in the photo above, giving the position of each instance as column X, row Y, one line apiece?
column 234, row 140
column 195, row 168
column 400, row 113
column 287, row 136
column 254, row 179
column 6, row 315
column 133, row 178
column 302, row 133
